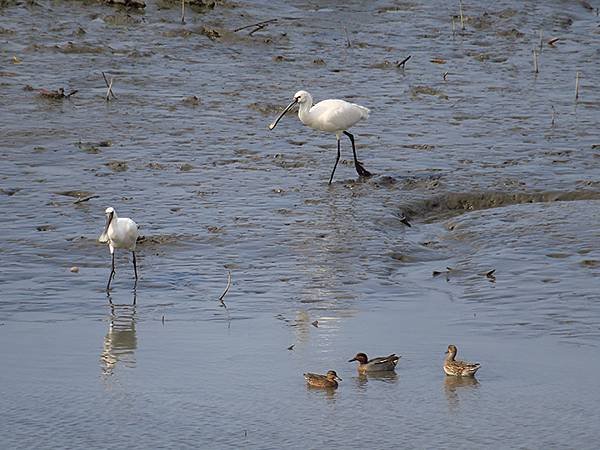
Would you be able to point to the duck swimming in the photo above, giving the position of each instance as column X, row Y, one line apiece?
column 379, row 364
column 458, row 368
column 323, row 381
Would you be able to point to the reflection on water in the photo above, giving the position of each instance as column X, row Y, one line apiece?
column 302, row 326
column 362, row 380
column 120, row 342
column 317, row 392
column 454, row 385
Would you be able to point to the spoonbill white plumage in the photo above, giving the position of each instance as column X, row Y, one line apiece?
column 334, row 116
column 119, row 232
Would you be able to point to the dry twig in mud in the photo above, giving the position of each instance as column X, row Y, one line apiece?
column 226, row 290
column 85, row 199
column 109, row 90
column 257, row 26
column 403, row 62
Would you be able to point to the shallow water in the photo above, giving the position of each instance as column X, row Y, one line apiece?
column 485, row 176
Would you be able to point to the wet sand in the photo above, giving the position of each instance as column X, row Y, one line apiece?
column 486, row 179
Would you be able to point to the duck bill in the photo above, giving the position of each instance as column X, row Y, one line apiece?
column 353, row 359
column 274, row 124
column 338, row 378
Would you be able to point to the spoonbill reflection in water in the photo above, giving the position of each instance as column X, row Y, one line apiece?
column 334, row 116
column 119, row 232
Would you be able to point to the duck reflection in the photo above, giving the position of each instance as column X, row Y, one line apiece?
column 362, row 380
column 120, row 341
column 327, row 393
column 453, row 385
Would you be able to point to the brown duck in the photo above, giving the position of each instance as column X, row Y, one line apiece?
column 458, row 368
column 323, row 381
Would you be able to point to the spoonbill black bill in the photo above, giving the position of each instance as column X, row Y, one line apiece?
column 333, row 116
column 119, row 232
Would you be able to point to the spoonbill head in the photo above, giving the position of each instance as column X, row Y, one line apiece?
column 333, row 116
column 119, row 232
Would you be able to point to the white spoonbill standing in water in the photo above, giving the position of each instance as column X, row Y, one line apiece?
column 334, row 116
column 119, row 232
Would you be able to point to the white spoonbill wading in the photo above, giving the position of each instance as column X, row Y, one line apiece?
column 119, row 232
column 334, row 116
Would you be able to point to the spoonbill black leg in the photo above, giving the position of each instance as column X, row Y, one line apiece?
column 112, row 272
column 357, row 164
column 337, row 159
column 134, row 267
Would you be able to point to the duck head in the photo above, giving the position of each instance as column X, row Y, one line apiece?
column 331, row 375
column 451, row 352
column 361, row 358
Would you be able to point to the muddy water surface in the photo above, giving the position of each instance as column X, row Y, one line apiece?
column 496, row 167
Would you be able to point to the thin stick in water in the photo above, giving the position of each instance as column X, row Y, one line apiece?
column 226, row 290
column 264, row 22
column 109, row 90
column 109, row 86
column 576, row 86
column 348, row 43
column 258, row 28
column 183, row 12
column 85, row 199
column 453, row 27
column 535, row 61
column 462, row 19
column 541, row 39
column 404, row 61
